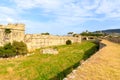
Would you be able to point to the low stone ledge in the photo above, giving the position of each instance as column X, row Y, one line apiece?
column 49, row 51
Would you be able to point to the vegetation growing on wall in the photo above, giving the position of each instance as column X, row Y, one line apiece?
column 16, row 48
column 7, row 31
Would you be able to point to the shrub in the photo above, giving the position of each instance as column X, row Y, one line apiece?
column 45, row 33
column 7, row 31
column 1, row 51
column 9, row 50
column 20, row 47
column 68, row 42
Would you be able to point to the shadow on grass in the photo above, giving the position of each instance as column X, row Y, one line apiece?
column 65, row 72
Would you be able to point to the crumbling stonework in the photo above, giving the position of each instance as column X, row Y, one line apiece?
column 37, row 40
column 49, row 51
column 33, row 41
column 17, row 33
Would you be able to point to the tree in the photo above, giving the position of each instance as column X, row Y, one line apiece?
column 70, row 33
column 84, row 34
column 91, row 34
column 45, row 33
column 87, row 31
column 75, row 35
column 8, row 50
column 68, row 42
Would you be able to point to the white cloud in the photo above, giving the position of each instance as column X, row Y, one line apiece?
column 7, row 10
column 10, row 20
column 8, row 14
column 27, row 4
column 65, row 12
column 73, row 8
column 111, row 8
column 90, row 4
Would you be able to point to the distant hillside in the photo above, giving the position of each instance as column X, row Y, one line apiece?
column 111, row 31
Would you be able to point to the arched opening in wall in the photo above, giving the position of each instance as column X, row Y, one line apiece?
column 84, row 38
column 91, row 38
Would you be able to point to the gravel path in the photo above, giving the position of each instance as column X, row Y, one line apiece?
column 104, row 65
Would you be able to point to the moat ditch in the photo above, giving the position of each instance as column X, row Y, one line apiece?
column 48, row 66
column 88, row 54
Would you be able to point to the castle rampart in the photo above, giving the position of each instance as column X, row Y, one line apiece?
column 37, row 40
column 33, row 41
column 16, row 33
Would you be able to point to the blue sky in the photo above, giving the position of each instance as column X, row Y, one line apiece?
column 61, row 16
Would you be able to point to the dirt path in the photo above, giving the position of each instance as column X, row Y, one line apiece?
column 104, row 65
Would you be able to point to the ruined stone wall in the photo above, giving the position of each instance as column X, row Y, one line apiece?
column 34, row 41
column 1, row 35
column 17, row 33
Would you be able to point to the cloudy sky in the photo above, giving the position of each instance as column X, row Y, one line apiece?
column 61, row 16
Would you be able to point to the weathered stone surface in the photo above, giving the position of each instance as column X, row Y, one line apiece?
column 17, row 33
column 37, row 40
column 33, row 41
column 49, row 51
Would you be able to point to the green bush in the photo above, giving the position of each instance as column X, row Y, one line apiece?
column 1, row 51
column 16, row 48
column 20, row 47
column 68, row 42
column 8, row 50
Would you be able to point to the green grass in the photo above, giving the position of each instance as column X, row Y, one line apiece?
column 45, row 66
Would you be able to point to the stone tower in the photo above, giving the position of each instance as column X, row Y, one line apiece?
column 11, row 32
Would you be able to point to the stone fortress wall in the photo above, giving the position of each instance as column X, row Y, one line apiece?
column 17, row 33
column 33, row 41
column 37, row 40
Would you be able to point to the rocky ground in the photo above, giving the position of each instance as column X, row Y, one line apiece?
column 104, row 65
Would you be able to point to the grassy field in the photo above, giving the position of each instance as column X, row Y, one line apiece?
column 104, row 65
column 46, row 67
